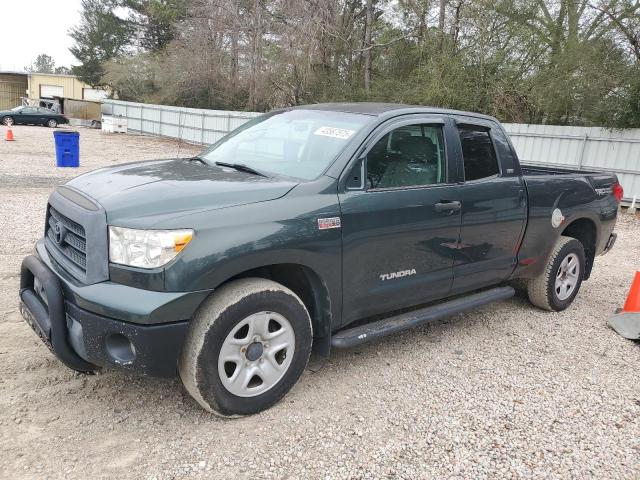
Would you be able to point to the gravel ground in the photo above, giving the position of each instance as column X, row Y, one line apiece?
column 506, row 391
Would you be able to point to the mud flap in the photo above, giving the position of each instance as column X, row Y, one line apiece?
column 627, row 324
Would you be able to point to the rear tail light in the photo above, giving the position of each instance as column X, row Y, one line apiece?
column 618, row 191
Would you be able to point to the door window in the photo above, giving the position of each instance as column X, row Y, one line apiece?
column 411, row 155
column 479, row 157
column 28, row 111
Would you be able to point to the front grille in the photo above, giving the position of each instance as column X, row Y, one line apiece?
column 74, row 241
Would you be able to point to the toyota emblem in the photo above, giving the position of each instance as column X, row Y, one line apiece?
column 59, row 232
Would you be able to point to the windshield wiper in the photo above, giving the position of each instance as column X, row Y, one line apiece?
column 197, row 158
column 242, row 167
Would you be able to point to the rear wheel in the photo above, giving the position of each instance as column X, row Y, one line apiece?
column 7, row 121
column 52, row 123
column 247, row 346
column 560, row 282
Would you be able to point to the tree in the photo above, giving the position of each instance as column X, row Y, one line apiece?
column 555, row 61
column 101, row 36
column 43, row 63
column 155, row 20
column 62, row 70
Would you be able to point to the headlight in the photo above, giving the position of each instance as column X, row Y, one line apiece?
column 146, row 248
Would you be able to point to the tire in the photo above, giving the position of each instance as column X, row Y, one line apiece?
column 52, row 123
column 227, row 345
column 7, row 121
column 560, row 282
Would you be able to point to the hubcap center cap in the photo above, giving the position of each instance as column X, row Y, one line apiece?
column 254, row 351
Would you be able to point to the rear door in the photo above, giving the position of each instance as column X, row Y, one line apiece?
column 493, row 207
column 44, row 114
column 399, row 218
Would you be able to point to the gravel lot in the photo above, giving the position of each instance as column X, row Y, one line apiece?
column 506, row 391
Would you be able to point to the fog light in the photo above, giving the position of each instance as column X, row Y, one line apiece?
column 120, row 348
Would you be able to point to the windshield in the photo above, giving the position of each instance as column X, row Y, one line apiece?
column 294, row 143
column 17, row 109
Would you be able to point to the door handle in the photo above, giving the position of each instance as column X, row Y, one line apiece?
column 449, row 207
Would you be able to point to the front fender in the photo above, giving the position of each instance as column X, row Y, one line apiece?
column 229, row 242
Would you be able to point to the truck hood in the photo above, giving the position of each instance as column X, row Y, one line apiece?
column 159, row 188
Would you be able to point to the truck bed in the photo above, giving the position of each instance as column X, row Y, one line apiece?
column 598, row 180
column 544, row 170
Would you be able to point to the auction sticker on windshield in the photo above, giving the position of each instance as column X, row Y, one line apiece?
column 341, row 133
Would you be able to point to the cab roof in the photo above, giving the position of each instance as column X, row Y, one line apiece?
column 386, row 109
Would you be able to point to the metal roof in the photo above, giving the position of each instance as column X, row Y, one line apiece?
column 10, row 72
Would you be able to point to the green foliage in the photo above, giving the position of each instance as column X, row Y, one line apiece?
column 573, row 62
column 101, row 36
column 156, row 20
column 42, row 64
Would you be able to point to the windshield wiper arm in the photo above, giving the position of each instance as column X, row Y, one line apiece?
column 197, row 158
column 242, row 167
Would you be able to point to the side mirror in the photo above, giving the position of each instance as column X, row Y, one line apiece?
column 357, row 176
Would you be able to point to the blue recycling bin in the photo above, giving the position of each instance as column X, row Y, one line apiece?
column 67, row 148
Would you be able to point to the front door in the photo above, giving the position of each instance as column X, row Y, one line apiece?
column 399, row 226
column 28, row 116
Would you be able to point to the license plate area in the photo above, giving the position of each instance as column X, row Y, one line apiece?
column 39, row 289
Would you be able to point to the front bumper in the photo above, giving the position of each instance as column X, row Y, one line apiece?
column 84, row 340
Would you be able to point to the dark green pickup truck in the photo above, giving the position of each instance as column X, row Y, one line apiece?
column 311, row 227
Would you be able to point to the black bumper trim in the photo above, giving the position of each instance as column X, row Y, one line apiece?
column 156, row 347
column 48, row 320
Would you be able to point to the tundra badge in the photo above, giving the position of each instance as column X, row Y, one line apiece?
column 392, row 275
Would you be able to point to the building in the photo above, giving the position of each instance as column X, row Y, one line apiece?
column 14, row 86
column 46, row 85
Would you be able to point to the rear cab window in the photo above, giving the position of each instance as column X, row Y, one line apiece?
column 478, row 154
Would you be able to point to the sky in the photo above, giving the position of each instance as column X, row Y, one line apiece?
column 36, row 26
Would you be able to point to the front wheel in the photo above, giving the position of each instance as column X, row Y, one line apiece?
column 7, row 121
column 52, row 123
column 246, row 347
column 560, row 282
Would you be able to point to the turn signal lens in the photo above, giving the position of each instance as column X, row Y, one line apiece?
column 182, row 239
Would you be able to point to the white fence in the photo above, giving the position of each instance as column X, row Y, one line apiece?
column 588, row 148
column 581, row 148
column 189, row 124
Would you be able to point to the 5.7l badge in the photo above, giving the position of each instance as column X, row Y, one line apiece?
column 327, row 223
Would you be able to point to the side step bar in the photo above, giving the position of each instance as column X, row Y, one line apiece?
column 387, row 326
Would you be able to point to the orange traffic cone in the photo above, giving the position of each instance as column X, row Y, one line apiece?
column 627, row 321
column 9, row 137
column 633, row 298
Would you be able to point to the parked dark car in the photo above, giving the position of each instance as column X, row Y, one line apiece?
column 27, row 115
column 325, row 226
